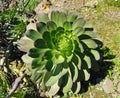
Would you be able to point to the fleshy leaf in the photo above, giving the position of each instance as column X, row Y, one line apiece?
column 88, row 61
column 34, row 52
column 76, row 87
column 53, row 89
column 36, row 75
column 71, row 17
column 83, row 75
column 86, row 74
column 43, row 18
column 55, row 75
column 67, row 83
column 77, row 61
column 37, row 62
column 74, row 71
column 67, row 26
column 64, row 71
column 96, row 54
column 78, row 23
column 51, row 26
column 58, row 17
column 47, row 37
column 88, row 26
column 27, row 59
column 32, row 34
column 48, row 55
column 62, row 18
column 78, row 31
column 49, row 65
column 78, row 47
column 57, row 58
column 25, row 43
column 90, row 43
column 90, row 33
column 40, row 43
column 41, row 27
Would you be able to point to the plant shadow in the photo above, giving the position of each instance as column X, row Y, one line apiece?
column 105, row 65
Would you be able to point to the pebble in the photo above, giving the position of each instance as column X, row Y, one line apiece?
column 108, row 86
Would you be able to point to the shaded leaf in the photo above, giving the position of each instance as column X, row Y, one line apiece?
column 67, row 26
column 37, row 62
column 74, row 71
column 95, row 65
column 78, row 47
column 47, row 37
column 77, row 61
column 41, row 27
column 51, row 26
column 49, row 65
column 83, row 75
column 40, row 43
column 76, row 87
column 32, row 34
column 34, row 52
column 67, row 83
column 54, row 77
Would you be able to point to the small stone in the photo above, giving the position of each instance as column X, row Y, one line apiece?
column 118, row 87
column 108, row 86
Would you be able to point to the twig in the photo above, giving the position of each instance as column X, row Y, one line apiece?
column 15, row 86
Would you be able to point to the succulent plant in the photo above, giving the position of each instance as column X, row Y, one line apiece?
column 60, row 52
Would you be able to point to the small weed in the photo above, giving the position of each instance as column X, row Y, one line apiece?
column 115, row 3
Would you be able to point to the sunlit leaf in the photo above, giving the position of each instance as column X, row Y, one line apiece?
column 43, row 17
column 67, row 26
column 90, row 43
column 78, row 23
column 71, row 17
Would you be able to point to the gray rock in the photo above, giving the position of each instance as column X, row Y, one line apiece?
column 108, row 86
